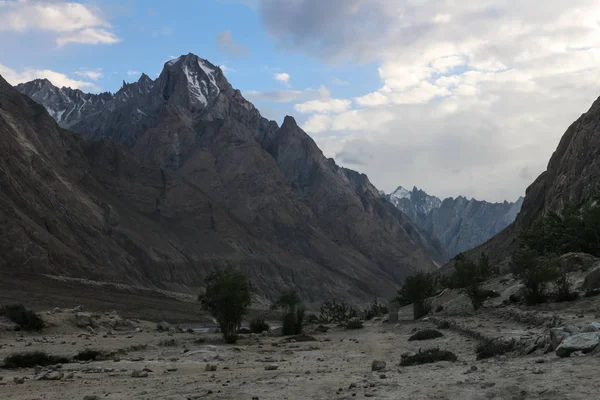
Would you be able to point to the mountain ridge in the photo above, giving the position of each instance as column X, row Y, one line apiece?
column 459, row 223
column 269, row 193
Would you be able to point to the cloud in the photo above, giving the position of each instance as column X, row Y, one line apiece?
column 93, row 74
column 69, row 22
column 282, row 77
column 287, row 96
column 339, row 82
column 474, row 96
column 226, row 70
column 133, row 72
column 58, row 79
column 229, row 46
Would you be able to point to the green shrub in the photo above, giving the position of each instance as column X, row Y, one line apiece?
column 89, row 355
column 33, row 359
column 416, row 290
column 469, row 275
column 228, row 297
column 493, row 348
column 376, row 310
column 354, row 323
column 171, row 342
column 425, row 334
column 333, row 311
column 429, row 356
column 293, row 312
column 258, row 325
column 535, row 272
column 26, row 319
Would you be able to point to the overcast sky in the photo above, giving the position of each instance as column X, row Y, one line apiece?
column 453, row 96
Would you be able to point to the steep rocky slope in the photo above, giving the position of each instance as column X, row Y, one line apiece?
column 572, row 176
column 203, row 182
column 458, row 223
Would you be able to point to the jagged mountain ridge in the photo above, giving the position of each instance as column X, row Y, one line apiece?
column 458, row 223
column 305, row 218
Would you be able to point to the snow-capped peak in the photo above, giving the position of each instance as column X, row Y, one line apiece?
column 401, row 193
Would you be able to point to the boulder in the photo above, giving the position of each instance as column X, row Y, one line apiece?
column 83, row 320
column 592, row 279
column 271, row 367
column 378, row 365
column 584, row 342
column 164, row 327
column 574, row 262
column 139, row 374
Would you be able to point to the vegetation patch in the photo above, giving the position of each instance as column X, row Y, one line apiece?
column 336, row 312
column 292, row 320
column 33, row 359
column 171, row 342
column 258, row 325
column 354, row 323
column 90, row 355
column 493, row 348
column 426, row 334
column 429, row 356
column 416, row 290
column 376, row 310
column 26, row 319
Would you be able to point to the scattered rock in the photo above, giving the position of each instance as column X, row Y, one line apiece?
column 584, row 342
column 139, row 374
column 83, row 320
column 378, row 365
column 53, row 376
column 271, row 367
column 19, row 380
column 164, row 327
column 210, row 367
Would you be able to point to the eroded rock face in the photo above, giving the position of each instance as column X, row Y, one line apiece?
column 198, row 181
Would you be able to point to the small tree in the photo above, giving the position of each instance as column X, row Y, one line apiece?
column 333, row 311
column 228, row 297
column 535, row 272
column 470, row 275
column 416, row 290
column 376, row 310
column 293, row 312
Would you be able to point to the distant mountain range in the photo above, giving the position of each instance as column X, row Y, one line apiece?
column 169, row 179
column 458, row 223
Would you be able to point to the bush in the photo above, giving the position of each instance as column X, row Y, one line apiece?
column 33, row 359
column 429, row 356
column 426, row 334
column 293, row 312
column 333, row 311
column 258, row 325
column 493, row 348
column 535, row 273
column 228, row 297
column 89, row 355
column 416, row 290
column 469, row 275
column 354, row 323
column 172, row 342
column 376, row 310
column 26, row 319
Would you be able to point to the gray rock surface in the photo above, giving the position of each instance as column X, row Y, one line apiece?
column 584, row 342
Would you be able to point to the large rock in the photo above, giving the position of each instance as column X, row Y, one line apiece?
column 83, row 320
column 592, row 279
column 584, row 342
column 578, row 261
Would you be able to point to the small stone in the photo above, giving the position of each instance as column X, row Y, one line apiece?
column 538, row 371
column 382, row 376
column 210, row 367
column 271, row 367
column 378, row 365
column 53, row 376
column 19, row 380
column 265, row 333
column 139, row 374
column 138, row 330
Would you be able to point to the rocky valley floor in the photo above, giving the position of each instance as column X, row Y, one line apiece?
column 145, row 363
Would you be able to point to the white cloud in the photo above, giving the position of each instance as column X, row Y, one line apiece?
column 471, row 93
column 58, row 79
column 339, row 82
column 70, row 22
column 93, row 74
column 282, row 77
column 133, row 72
column 323, row 106
column 226, row 70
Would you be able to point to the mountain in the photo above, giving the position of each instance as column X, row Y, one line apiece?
column 572, row 177
column 459, row 224
column 171, row 178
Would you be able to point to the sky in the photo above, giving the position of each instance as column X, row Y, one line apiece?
column 456, row 97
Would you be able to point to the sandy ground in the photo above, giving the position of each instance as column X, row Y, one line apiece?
column 337, row 365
